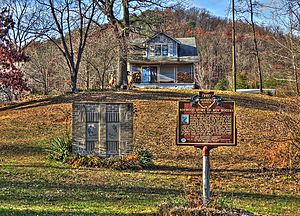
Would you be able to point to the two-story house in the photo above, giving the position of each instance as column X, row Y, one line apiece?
column 165, row 62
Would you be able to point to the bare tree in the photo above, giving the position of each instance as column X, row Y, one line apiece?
column 27, row 20
column 71, row 20
column 214, row 52
column 286, row 14
column 249, row 7
column 45, row 70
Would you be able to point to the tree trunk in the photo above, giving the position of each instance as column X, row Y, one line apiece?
column 256, row 48
column 102, row 80
column 123, row 46
column 74, row 82
column 122, row 69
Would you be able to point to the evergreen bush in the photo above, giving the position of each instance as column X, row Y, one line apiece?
column 60, row 149
column 145, row 158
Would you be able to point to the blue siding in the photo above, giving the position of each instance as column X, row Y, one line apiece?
column 186, row 50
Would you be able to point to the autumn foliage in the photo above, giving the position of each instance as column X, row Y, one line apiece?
column 12, row 81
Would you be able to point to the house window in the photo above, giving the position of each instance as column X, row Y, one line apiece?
column 165, row 50
column 167, row 73
column 160, row 50
column 185, row 73
column 157, row 50
column 151, row 49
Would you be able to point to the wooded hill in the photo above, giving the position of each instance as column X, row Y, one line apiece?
column 48, row 72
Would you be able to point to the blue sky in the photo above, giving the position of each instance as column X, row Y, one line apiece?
column 216, row 7
column 222, row 8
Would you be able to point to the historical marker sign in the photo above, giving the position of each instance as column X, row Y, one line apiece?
column 206, row 120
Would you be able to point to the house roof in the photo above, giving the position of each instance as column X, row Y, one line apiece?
column 155, row 35
column 187, row 48
column 190, row 41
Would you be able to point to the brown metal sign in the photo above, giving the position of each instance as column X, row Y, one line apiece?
column 206, row 120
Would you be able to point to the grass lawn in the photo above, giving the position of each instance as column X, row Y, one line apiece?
column 246, row 176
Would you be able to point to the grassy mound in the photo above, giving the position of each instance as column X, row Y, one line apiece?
column 260, row 174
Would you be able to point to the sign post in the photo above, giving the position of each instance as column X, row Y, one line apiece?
column 206, row 175
column 206, row 121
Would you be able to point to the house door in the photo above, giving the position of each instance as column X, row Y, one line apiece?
column 149, row 74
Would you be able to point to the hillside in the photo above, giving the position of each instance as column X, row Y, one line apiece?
column 251, row 175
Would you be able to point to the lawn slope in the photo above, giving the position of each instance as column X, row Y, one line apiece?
column 246, row 176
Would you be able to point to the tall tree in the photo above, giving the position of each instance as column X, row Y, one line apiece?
column 71, row 22
column 294, row 25
column 249, row 7
column 256, row 51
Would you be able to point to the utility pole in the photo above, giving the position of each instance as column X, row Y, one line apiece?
column 233, row 47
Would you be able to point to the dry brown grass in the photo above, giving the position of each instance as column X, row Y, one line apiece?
column 243, row 172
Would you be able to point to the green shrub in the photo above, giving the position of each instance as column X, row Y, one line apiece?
column 60, row 149
column 145, row 158
column 222, row 85
column 109, row 162
column 272, row 83
column 242, row 81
